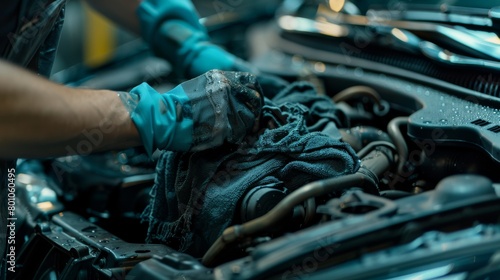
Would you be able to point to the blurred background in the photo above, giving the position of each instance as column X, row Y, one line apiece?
column 89, row 40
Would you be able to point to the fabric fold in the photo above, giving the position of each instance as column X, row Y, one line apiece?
column 196, row 195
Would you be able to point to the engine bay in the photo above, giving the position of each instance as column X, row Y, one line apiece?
column 417, row 104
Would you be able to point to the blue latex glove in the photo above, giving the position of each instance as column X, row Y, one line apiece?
column 199, row 114
column 173, row 30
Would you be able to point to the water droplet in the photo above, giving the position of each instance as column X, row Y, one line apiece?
column 90, row 229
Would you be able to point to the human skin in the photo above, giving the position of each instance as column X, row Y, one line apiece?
column 39, row 118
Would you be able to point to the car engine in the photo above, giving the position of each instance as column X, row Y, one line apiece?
column 418, row 85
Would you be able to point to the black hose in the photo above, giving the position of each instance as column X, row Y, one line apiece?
column 378, row 160
column 310, row 210
column 360, row 136
column 357, row 91
column 366, row 150
column 284, row 207
column 394, row 131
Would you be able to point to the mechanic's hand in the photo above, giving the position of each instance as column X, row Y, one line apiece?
column 194, row 56
column 173, row 30
column 198, row 114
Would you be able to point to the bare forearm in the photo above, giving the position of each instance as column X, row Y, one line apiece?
column 39, row 118
column 121, row 12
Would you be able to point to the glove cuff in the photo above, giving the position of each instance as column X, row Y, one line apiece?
column 189, row 51
column 206, row 57
column 173, row 31
column 182, row 135
column 163, row 120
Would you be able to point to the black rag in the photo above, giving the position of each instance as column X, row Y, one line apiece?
column 196, row 194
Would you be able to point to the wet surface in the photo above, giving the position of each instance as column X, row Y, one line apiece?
column 226, row 109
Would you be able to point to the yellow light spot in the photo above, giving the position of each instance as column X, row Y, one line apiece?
column 332, row 29
column 399, row 34
column 319, row 67
column 45, row 206
column 336, row 5
column 493, row 39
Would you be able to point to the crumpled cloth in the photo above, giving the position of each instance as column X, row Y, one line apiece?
column 196, row 194
column 321, row 110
